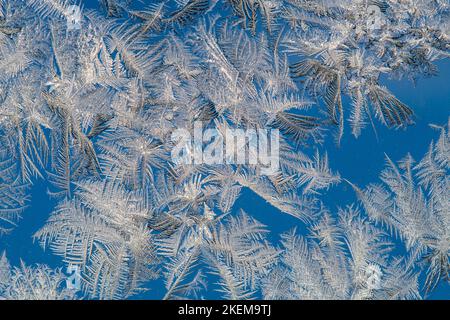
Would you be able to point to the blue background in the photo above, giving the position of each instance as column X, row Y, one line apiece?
column 357, row 160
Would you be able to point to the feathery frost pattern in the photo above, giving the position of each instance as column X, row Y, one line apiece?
column 93, row 103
